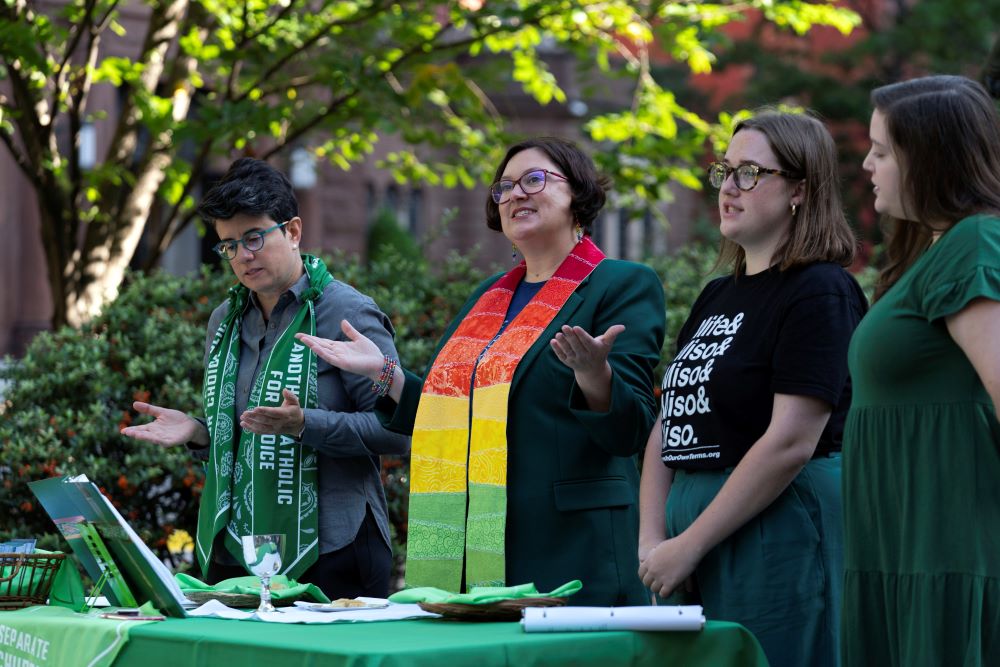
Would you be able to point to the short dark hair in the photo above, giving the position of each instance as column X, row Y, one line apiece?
column 589, row 187
column 819, row 231
column 250, row 187
column 945, row 134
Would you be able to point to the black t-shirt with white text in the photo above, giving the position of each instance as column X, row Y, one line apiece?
column 747, row 339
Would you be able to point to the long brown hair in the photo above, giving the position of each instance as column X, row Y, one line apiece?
column 945, row 134
column 819, row 231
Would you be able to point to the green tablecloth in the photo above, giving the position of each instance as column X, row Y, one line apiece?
column 213, row 642
column 208, row 642
column 59, row 637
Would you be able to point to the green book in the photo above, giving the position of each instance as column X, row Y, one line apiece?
column 107, row 547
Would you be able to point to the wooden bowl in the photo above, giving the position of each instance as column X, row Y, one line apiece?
column 505, row 610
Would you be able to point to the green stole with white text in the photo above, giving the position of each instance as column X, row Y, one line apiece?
column 257, row 484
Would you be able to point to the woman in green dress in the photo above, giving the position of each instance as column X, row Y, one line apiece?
column 922, row 441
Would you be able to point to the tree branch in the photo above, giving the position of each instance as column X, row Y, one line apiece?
column 63, row 70
column 79, row 93
column 267, row 26
column 19, row 158
column 102, row 24
column 321, row 32
column 31, row 107
column 174, row 222
column 167, row 237
column 116, row 225
column 163, row 23
column 303, row 129
column 416, row 49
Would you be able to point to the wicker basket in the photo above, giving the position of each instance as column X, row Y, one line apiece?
column 505, row 610
column 28, row 578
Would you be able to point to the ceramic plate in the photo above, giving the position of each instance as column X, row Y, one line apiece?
column 326, row 606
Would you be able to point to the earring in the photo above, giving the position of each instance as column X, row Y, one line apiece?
column 578, row 232
column 513, row 254
column 795, row 209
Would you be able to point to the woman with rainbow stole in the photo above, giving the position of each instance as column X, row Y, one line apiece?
column 539, row 395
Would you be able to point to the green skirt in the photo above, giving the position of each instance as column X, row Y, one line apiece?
column 780, row 575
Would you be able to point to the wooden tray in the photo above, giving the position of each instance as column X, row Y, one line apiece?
column 505, row 610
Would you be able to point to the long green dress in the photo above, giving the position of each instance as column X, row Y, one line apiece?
column 922, row 470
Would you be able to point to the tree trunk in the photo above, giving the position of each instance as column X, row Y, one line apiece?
column 92, row 272
column 108, row 258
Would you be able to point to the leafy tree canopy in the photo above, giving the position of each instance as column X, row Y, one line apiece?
column 211, row 77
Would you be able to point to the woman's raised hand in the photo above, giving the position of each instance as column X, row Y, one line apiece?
column 356, row 355
column 588, row 357
column 583, row 352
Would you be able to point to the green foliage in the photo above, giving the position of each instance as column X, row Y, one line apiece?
column 900, row 40
column 385, row 236
column 659, row 140
column 72, row 392
column 334, row 76
column 866, row 278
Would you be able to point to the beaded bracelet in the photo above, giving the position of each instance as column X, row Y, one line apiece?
column 381, row 386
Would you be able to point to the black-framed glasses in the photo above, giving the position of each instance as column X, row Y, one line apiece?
column 252, row 241
column 531, row 182
column 745, row 176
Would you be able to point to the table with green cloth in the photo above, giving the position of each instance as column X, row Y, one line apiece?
column 210, row 642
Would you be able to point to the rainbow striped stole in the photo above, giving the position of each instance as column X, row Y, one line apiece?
column 458, row 463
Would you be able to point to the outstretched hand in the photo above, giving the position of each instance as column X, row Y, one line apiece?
column 169, row 427
column 582, row 352
column 357, row 355
column 588, row 357
column 287, row 418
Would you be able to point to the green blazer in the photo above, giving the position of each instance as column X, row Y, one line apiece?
column 572, row 480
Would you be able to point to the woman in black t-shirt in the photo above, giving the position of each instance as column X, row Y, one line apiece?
column 747, row 446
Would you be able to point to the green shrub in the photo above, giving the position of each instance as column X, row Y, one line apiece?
column 387, row 239
column 866, row 278
column 72, row 392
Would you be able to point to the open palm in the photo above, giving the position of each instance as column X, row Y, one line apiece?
column 169, row 427
column 357, row 355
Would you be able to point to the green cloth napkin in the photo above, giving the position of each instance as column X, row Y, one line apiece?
column 67, row 588
column 482, row 594
column 281, row 587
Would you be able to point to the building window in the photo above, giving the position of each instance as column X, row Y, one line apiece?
column 416, row 205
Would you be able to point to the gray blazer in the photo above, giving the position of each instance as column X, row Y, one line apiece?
column 343, row 430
